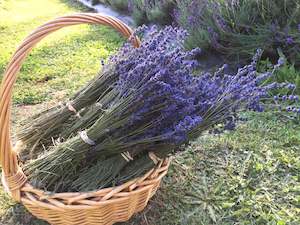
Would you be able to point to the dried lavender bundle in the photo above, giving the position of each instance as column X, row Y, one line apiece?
column 114, row 132
column 226, row 95
column 99, row 175
column 63, row 160
column 92, row 113
column 48, row 124
column 157, row 102
column 141, row 94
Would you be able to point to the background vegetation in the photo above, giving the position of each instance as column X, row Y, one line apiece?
column 287, row 73
column 237, row 28
column 152, row 11
column 145, row 11
column 233, row 28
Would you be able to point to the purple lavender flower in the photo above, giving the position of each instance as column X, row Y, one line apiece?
column 169, row 104
column 130, row 5
column 192, row 21
column 273, row 27
column 289, row 40
column 222, row 23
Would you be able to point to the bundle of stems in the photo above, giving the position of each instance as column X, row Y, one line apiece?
column 118, row 169
column 41, row 128
column 90, row 115
column 224, row 110
column 63, row 161
column 109, row 123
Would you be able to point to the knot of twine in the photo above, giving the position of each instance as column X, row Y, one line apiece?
column 127, row 156
column 152, row 156
column 83, row 135
column 72, row 109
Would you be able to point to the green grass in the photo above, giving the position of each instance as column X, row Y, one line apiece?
column 288, row 73
column 63, row 61
column 249, row 176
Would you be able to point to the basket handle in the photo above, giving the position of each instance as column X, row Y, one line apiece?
column 8, row 157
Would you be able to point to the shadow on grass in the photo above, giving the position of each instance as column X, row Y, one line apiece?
column 18, row 215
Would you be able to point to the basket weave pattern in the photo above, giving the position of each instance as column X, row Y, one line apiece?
column 104, row 207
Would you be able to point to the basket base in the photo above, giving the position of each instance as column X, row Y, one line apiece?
column 91, row 212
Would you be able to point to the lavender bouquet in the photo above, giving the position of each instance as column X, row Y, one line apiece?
column 156, row 105
column 43, row 127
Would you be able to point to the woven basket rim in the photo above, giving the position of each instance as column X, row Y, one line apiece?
column 96, row 198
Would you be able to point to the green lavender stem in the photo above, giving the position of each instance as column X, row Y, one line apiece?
column 49, row 124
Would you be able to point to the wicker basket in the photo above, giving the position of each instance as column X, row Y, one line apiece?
column 106, row 206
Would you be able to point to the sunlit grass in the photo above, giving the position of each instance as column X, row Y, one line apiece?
column 61, row 62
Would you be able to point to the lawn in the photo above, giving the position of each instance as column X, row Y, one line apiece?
column 248, row 176
column 63, row 61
